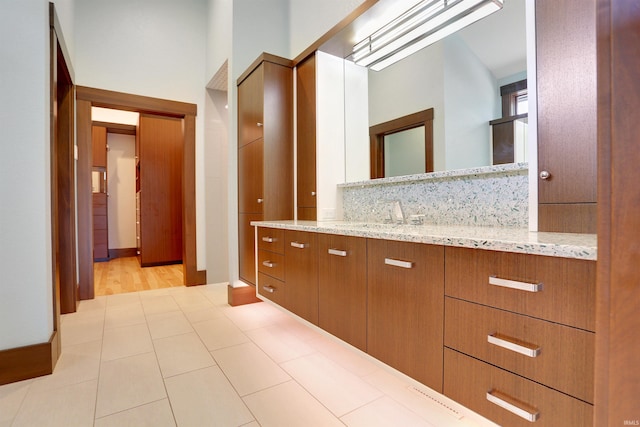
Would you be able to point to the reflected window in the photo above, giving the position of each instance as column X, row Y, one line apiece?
column 404, row 152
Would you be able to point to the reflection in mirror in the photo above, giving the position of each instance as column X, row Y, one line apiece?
column 98, row 181
column 404, row 152
column 460, row 77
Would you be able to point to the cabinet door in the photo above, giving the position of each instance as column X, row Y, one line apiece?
column 99, row 143
column 250, row 177
column 342, row 288
column 250, row 107
column 567, row 119
column 246, row 247
column 301, row 274
column 306, row 138
column 405, row 308
column 161, row 153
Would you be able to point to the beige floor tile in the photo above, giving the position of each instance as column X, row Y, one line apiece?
column 76, row 330
column 206, row 398
column 11, row 397
column 251, row 424
column 401, row 391
column 123, row 299
column 159, row 304
column 248, row 368
column 182, row 353
column 127, row 383
column 190, row 301
column 248, row 317
column 98, row 303
column 162, row 325
column 337, row 389
column 384, row 412
column 302, row 409
column 78, row 363
column 69, row 406
column 345, row 356
column 155, row 414
column 280, row 344
column 204, row 314
column 219, row 333
column 126, row 341
column 124, row 315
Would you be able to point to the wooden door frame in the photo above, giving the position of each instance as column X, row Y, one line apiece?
column 90, row 97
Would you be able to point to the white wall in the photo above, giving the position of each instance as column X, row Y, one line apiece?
column 121, row 187
column 471, row 96
column 152, row 48
column 310, row 20
column 26, row 305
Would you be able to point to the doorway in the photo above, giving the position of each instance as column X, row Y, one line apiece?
column 88, row 97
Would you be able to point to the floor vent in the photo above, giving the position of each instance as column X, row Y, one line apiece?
column 434, row 399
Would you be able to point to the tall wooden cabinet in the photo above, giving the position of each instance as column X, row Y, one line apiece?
column 306, row 138
column 567, row 119
column 99, row 196
column 265, row 151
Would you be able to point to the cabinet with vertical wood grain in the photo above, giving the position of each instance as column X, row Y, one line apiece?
column 265, row 151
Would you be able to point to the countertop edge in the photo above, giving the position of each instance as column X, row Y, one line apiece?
column 562, row 245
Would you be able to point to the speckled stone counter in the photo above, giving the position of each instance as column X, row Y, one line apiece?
column 565, row 245
column 490, row 196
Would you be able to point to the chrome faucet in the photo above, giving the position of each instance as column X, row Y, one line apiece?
column 395, row 213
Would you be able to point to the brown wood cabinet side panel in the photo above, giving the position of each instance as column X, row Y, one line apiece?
column 568, row 290
column 306, row 133
column 566, row 358
column 468, row 380
column 278, row 142
column 567, row 100
column 99, row 142
column 246, row 247
column 406, row 307
column 342, row 288
column 301, row 274
column 250, row 177
column 568, row 218
column 161, row 160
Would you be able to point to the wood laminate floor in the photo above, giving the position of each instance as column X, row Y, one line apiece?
column 122, row 275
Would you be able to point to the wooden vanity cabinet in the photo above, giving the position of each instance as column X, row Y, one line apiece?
column 306, row 138
column 342, row 288
column 301, row 274
column 405, row 308
column 265, row 151
column 519, row 336
column 271, row 265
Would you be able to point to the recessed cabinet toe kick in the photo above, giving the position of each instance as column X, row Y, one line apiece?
column 508, row 335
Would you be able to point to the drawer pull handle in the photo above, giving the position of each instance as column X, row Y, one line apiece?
column 337, row 252
column 269, row 264
column 502, row 341
column 269, row 289
column 398, row 263
column 298, row 245
column 492, row 396
column 512, row 284
column 268, row 239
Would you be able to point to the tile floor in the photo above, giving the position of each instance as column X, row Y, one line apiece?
column 182, row 356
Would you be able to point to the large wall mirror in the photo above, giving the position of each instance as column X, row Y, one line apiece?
column 458, row 77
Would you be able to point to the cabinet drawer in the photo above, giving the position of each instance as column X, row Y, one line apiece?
column 472, row 383
column 558, row 356
column 271, row 239
column 565, row 287
column 271, row 263
column 99, row 222
column 271, row 288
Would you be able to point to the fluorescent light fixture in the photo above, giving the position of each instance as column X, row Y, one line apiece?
column 422, row 25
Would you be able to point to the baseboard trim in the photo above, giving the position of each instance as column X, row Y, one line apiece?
column 22, row 363
column 122, row 253
column 241, row 295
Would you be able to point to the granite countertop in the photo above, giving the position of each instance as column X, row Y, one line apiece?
column 565, row 245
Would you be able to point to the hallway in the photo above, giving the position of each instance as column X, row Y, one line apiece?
column 182, row 356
